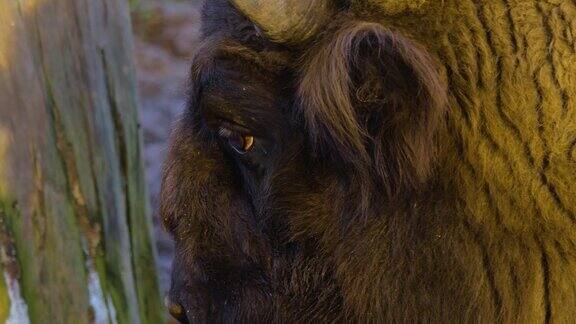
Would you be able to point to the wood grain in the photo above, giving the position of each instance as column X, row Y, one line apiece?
column 72, row 191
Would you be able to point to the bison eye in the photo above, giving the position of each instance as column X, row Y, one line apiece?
column 241, row 143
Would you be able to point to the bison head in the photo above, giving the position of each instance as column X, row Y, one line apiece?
column 303, row 121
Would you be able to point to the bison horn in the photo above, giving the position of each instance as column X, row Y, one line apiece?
column 287, row 21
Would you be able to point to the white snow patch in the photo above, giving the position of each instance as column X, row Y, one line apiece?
column 103, row 314
column 96, row 295
column 18, row 307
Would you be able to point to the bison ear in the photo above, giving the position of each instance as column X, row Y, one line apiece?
column 374, row 99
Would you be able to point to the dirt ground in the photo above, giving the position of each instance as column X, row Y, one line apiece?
column 166, row 36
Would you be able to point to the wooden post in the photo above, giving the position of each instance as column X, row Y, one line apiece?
column 75, row 238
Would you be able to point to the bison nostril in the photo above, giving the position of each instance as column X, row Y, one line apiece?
column 176, row 310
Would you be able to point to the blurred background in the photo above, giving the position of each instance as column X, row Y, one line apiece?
column 165, row 36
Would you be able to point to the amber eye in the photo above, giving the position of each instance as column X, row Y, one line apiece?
column 241, row 143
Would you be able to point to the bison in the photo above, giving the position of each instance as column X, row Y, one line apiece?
column 377, row 161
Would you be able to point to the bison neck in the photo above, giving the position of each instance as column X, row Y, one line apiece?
column 501, row 241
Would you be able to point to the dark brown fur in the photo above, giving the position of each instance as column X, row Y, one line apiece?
column 326, row 221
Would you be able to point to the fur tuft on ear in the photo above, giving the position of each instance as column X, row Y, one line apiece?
column 374, row 99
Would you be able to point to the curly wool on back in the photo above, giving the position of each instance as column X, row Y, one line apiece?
column 509, row 153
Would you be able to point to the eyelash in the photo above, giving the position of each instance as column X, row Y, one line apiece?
column 239, row 142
